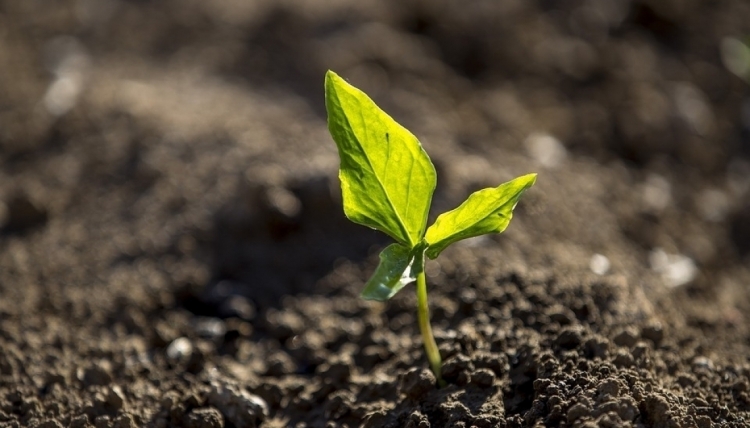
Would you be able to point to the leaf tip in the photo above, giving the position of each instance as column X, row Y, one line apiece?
column 329, row 81
column 526, row 181
column 332, row 80
column 330, row 75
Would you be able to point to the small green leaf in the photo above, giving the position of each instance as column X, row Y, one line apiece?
column 387, row 179
column 398, row 267
column 485, row 211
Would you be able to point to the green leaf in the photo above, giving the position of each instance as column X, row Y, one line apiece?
column 485, row 211
column 387, row 179
column 398, row 267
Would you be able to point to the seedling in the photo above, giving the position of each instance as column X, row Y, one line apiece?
column 387, row 181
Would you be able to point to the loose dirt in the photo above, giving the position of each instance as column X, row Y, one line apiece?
column 173, row 250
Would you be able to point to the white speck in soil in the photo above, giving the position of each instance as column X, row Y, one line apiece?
column 656, row 192
column 599, row 264
column 675, row 269
column 180, row 349
column 546, row 149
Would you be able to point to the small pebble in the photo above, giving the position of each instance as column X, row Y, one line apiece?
column 675, row 269
column 280, row 202
column 180, row 349
column 545, row 149
column 210, row 328
column 703, row 363
column 599, row 264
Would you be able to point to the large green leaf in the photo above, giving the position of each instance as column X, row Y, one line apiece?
column 398, row 267
column 485, row 211
column 387, row 179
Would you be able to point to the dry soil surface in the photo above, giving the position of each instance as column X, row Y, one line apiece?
column 173, row 251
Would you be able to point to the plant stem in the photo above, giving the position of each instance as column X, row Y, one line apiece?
column 423, row 313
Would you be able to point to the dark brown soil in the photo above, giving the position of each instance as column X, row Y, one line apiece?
column 173, row 252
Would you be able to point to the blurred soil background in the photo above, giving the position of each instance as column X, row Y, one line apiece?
column 173, row 251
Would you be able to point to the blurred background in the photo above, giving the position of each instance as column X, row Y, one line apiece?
column 186, row 140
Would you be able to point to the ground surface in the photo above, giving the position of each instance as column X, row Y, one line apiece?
column 173, row 251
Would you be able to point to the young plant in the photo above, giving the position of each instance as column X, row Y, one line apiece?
column 387, row 181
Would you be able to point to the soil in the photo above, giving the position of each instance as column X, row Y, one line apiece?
column 173, row 250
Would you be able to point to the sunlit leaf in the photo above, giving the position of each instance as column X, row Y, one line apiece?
column 387, row 179
column 485, row 211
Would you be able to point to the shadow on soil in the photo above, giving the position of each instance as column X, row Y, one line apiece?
column 275, row 241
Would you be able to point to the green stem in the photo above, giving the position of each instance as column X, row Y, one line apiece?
column 423, row 313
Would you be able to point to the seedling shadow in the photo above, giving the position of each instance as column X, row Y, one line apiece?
column 276, row 241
